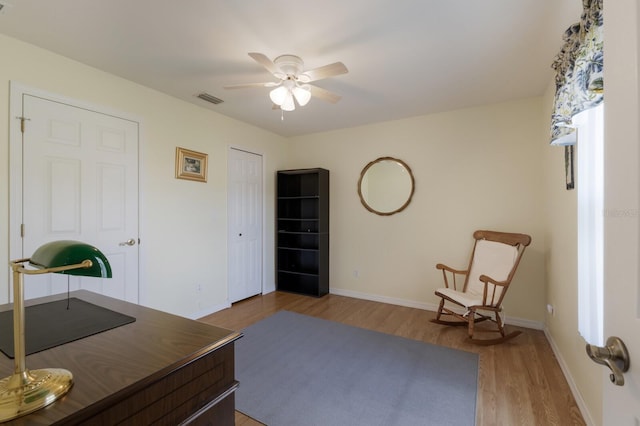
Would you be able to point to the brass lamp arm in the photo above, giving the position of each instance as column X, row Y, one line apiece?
column 16, row 265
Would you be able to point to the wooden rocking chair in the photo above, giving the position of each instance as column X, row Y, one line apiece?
column 493, row 264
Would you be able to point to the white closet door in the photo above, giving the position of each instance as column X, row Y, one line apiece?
column 245, row 224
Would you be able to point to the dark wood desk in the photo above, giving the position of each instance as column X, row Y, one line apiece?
column 161, row 369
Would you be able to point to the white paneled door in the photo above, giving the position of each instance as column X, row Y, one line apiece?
column 245, row 224
column 621, row 404
column 80, row 182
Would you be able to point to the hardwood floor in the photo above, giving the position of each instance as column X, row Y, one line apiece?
column 519, row 383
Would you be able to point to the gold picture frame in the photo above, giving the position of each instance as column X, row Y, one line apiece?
column 191, row 165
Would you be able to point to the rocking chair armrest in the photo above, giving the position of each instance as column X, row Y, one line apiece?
column 452, row 274
column 450, row 269
column 489, row 296
column 487, row 279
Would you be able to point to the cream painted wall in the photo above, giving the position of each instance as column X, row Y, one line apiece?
column 477, row 168
column 562, row 277
column 184, row 223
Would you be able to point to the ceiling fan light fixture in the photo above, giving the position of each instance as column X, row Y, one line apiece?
column 288, row 104
column 302, row 94
column 278, row 95
column 292, row 87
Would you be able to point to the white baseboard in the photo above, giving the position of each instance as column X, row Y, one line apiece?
column 216, row 308
column 520, row 322
column 586, row 414
column 209, row 311
column 384, row 299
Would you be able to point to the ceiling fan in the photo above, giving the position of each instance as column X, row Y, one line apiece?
column 294, row 81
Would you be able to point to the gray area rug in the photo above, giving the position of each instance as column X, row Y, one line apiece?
column 297, row 370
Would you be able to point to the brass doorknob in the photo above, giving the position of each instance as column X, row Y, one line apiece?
column 614, row 355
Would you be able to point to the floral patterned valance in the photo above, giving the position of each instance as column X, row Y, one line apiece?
column 579, row 83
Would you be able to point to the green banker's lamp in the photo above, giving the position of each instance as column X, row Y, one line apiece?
column 26, row 391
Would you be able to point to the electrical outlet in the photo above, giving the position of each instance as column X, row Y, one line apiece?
column 551, row 310
column 356, row 273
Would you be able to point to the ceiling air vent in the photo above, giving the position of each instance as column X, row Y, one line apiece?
column 210, row 98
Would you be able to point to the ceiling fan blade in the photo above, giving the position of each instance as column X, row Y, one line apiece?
column 326, row 71
column 323, row 94
column 267, row 63
column 249, row 85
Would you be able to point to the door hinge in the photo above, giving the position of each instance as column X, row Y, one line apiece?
column 22, row 230
column 22, row 120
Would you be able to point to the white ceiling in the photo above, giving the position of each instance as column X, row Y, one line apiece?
column 405, row 57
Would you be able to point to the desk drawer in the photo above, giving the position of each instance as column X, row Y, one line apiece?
column 178, row 395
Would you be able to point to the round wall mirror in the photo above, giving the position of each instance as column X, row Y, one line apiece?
column 386, row 186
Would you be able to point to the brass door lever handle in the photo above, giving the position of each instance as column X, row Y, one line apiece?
column 614, row 355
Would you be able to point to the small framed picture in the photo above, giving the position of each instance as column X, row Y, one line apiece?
column 191, row 165
column 568, row 166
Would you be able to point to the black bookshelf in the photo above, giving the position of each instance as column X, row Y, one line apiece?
column 302, row 233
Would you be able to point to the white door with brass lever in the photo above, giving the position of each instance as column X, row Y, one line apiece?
column 614, row 355
column 621, row 404
column 78, row 165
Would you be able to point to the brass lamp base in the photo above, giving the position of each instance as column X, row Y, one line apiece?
column 26, row 392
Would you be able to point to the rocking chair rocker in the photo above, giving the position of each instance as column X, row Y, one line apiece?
column 493, row 264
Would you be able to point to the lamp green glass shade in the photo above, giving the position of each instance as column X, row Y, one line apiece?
column 68, row 252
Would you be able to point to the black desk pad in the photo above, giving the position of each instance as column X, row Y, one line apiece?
column 51, row 324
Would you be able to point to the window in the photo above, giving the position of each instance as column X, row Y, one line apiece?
column 590, row 191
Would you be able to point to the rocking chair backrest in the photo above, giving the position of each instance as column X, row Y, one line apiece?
column 497, row 255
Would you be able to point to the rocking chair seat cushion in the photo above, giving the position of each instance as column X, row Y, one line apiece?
column 464, row 299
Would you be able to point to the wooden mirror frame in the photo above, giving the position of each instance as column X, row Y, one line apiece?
column 364, row 171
